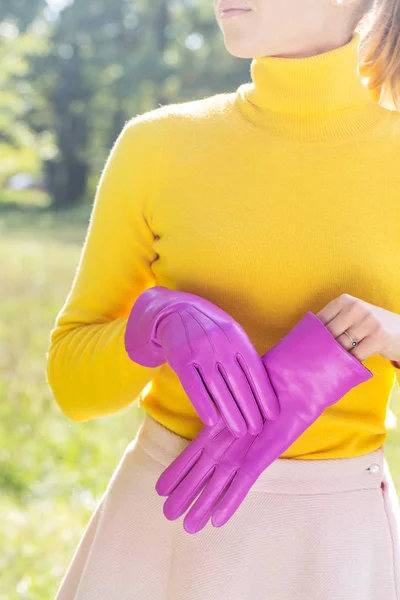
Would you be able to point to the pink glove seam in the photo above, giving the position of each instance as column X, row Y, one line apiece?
column 131, row 348
column 193, row 460
column 229, row 482
column 197, row 489
column 211, row 319
column 252, row 385
column 225, row 377
column 158, row 325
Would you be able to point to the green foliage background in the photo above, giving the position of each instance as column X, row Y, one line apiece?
column 74, row 72
column 52, row 471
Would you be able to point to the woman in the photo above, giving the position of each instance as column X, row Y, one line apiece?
column 267, row 202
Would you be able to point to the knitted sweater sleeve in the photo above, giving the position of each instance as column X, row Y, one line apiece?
column 88, row 370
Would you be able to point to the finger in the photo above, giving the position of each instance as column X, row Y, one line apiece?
column 232, row 499
column 226, row 403
column 200, row 513
column 257, row 376
column 178, row 469
column 352, row 313
column 189, row 488
column 365, row 333
column 244, row 396
column 217, row 390
column 199, row 394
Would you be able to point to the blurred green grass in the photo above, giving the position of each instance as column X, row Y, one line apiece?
column 52, row 471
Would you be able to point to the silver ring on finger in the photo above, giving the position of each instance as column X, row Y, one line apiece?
column 354, row 343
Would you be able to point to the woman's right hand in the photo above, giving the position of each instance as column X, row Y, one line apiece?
column 218, row 366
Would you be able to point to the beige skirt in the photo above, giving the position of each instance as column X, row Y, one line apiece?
column 308, row 530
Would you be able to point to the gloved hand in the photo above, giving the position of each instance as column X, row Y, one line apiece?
column 218, row 366
column 309, row 371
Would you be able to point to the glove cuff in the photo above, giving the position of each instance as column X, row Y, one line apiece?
column 142, row 339
column 140, row 334
column 309, row 361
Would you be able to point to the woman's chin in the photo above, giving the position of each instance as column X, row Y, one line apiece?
column 242, row 44
column 239, row 46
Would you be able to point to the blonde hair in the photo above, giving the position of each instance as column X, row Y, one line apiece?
column 379, row 50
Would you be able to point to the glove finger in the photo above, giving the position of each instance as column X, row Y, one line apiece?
column 234, row 496
column 210, row 387
column 199, row 393
column 188, row 489
column 200, row 513
column 226, row 403
column 244, row 396
column 178, row 469
column 257, row 376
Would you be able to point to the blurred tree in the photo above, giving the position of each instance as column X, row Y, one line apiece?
column 18, row 143
column 105, row 62
column 21, row 12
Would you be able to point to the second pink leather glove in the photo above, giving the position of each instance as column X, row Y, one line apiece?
column 310, row 371
column 218, row 366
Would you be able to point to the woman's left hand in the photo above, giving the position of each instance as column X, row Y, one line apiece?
column 376, row 329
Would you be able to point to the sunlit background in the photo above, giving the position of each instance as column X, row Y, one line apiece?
column 71, row 74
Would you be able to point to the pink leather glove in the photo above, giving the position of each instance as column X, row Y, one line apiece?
column 309, row 371
column 218, row 366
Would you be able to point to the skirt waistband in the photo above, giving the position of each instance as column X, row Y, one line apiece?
column 284, row 476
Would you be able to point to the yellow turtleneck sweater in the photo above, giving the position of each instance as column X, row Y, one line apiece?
column 268, row 201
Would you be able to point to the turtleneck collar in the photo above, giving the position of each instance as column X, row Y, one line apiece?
column 315, row 98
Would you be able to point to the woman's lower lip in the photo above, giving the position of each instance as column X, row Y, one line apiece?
column 233, row 12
